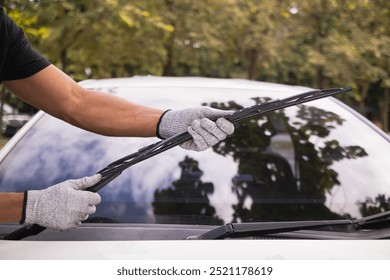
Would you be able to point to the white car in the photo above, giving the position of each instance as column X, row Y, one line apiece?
column 316, row 171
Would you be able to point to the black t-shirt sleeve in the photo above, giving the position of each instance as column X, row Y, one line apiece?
column 19, row 60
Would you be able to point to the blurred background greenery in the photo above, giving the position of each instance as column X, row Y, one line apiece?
column 316, row 43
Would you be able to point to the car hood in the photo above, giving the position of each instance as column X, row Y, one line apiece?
column 195, row 250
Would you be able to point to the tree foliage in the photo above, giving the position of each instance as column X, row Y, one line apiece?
column 318, row 43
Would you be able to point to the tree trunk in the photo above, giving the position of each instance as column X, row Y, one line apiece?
column 2, row 92
column 319, row 77
column 170, row 45
column 252, row 55
column 386, row 110
column 168, row 66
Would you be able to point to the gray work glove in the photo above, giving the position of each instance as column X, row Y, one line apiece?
column 200, row 124
column 63, row 206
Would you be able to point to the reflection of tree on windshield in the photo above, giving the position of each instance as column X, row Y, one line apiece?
column 186, row 201
column 287, row 180
column 316, row 162
column 284, row 172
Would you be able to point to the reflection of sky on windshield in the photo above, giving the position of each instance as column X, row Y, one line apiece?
column 219, row 170
column 165, row 169
column 54, row 155
column 69, row 153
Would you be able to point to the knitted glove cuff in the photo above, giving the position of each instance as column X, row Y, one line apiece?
column 30, row 207
column 158, row 133
column 22, row 221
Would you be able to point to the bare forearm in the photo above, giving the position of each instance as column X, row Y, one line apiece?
column 11, row 207
column 111, row 115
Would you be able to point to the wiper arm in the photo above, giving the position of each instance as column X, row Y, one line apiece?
column 240, row 230
column 374, row 221
column 115, row 168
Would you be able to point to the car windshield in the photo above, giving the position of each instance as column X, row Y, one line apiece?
column 309, row 162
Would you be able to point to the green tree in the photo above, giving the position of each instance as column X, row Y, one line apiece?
column 318, row 43
column 342, row 42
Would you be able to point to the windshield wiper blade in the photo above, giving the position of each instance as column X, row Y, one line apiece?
column 115, row 168
column 242, row 230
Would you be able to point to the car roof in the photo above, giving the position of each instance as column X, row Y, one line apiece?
column 197, row 82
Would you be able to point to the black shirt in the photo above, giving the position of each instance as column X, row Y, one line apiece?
column 18, row 59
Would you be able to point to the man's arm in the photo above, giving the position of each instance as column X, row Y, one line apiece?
column 54, row 92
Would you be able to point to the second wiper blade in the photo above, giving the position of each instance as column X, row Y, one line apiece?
column 241, row 230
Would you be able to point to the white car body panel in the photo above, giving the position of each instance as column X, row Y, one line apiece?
column 196, row 249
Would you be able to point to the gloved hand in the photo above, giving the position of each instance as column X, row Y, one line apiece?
column 63, row 206
column 199, row 123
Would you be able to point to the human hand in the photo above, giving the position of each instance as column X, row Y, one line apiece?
column 200, row 124
column 63, row 206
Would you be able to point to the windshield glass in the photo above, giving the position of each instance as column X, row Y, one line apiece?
column 309, row 162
